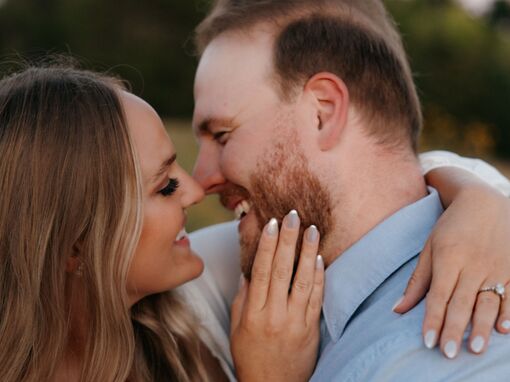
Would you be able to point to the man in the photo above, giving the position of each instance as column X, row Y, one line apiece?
column 310, row 105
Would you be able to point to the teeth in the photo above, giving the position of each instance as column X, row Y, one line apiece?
column 242, row 208
column 181, row 235
column 238, row 211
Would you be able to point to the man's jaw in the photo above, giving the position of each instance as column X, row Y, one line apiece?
column 238, row 199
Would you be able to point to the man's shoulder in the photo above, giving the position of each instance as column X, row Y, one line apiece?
column 380, row 345
column 405, row 359
column 220, row 233
column 394, row 351
column 216, row 243
column 218, row 246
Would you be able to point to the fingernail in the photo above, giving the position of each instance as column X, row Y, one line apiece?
column 241, row 281
column 430, row 339
column 505, row 324
column 399, row 301
column 292, row 220
column 450, row 349
column 312, row 234
column 319, row 262
column 272, row 227
column 477, row 344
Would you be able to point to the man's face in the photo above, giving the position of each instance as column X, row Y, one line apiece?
column 253, row 149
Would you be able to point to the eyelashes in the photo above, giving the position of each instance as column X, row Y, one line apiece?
column 221, row 137
column 170, row 188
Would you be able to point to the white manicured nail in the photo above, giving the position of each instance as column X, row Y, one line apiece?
column 397, row 303
column 450, row 349
column 505, row 324
column 241, row 281
column 272, row 227
column 319, row 262
column 477, row 344
column 430, row 339
column 312, row 234
column 292, row 219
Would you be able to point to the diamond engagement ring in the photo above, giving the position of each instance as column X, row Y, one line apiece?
column 499, row 289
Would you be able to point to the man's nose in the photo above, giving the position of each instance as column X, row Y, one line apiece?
column 207, row 171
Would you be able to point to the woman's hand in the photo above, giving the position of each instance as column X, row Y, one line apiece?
column 469, row 249
column 274, row 333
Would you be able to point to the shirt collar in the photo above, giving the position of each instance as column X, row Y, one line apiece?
column 355, row 275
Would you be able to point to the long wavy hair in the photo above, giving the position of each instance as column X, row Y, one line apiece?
column 71, row 186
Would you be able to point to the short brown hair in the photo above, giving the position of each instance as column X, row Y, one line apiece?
column 356, row 40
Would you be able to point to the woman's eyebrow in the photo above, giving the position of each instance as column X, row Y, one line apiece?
column 164, row 166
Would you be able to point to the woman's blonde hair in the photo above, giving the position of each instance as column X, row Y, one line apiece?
column 71, row 186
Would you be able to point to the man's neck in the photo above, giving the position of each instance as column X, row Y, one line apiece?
column 377, row 186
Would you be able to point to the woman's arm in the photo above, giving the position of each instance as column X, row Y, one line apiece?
column 467, row 250
column 437, row 167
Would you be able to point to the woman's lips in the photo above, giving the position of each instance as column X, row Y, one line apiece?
column 182, row 238
column 184, row 242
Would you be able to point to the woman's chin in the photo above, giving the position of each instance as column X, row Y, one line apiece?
column 192, row 268
column 199, row 266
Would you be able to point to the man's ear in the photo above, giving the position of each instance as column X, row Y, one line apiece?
column 332, row 100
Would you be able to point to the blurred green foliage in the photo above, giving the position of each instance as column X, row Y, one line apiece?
column 462, row 69
column 461, row 62
column 146, row 42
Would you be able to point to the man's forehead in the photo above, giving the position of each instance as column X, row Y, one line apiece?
column 234, row 73
column 234, row 56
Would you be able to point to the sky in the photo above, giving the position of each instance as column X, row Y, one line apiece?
column 477, row 6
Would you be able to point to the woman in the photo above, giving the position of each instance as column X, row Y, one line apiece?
column 92, row 247
column 92, row 241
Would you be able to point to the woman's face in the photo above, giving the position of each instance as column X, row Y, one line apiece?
column 163, row 259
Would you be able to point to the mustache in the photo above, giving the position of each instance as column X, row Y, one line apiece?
column 230, row 191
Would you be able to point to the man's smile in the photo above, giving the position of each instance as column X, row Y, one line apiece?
column 242, row 209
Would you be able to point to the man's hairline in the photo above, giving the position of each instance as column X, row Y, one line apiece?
column 272, row 75
column 275, row 28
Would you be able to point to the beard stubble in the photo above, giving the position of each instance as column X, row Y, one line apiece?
column 282, row 182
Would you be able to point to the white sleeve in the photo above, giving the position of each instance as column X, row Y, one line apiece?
column 218, row 246
column 434, row 159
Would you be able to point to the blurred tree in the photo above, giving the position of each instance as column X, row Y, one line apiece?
column 500, row 11
column 500, row 14
column 462, row 63
column 462, row 68
column 144, row 42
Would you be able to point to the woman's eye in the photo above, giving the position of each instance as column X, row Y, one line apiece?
column 170, row 188
column 221, row 137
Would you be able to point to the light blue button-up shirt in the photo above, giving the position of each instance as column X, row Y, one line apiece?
column 362, row 339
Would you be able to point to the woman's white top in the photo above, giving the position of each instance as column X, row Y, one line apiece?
column 212, row 293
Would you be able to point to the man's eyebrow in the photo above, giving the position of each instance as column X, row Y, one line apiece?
column 208, row 124
column 164, row 166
